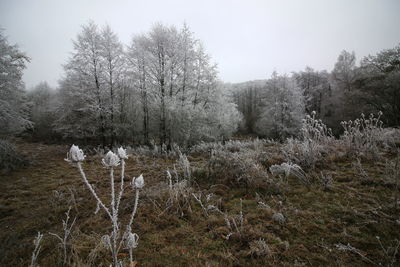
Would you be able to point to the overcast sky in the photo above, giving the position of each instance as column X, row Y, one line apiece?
column 248, row 39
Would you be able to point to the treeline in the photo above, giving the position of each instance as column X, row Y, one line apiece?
column 162, row 87
column 275, row 107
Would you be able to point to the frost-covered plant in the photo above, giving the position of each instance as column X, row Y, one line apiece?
column 363, row 135
column 315, row 130
column 235, row 222
column 179, row 193
column 288, row 169
column 67, row 226
column 237, row 167
column 36, row 250
column 304, row 153
column 116, row 239
column 358, row 166
column 390, row 252
column 231, row 145
column 184, row 164
column 205, row 203
column 156, row 151
column 326, row 181
column 260, row 248
column 279, row 218
column 315, row 140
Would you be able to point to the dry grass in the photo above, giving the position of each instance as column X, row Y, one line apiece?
column 354, row 211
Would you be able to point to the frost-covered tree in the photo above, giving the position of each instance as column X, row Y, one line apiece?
column 138, row 72
column 177, row 85
column 13, row 108
column 282, row 108
column 163, row 87
column 379, row 84
column 114, row 67
column 42, row 100
column 344, row 72
column 82, row 112
column 316, row 89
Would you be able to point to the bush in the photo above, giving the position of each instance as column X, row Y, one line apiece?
column 316, row 139
column 236, row 167
column 364, row 135
column 231, row 146
column 9, row 157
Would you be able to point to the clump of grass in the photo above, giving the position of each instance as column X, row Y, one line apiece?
column 363, row 135
column 315, row 140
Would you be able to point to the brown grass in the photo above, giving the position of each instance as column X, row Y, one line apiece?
column 353, row 212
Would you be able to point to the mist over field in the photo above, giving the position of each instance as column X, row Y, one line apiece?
column 184, row 133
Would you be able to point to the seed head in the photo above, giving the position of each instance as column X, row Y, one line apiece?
column 110, row 160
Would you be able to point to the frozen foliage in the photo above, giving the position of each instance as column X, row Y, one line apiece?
column 184, row 164
column 13, row 108
column 10, row 159
column 363, row 135
column 163, row 86
column 179, row 194
column 235, row 222
column 314, row 141
column 75, row 155
column 315, row 130
column 260, row 248
column 282, row 108
column 67, row 226
column 116, row 239
column 36, row 251
column 289, row 170
column 326, row 181
column 231, row 146
column 156, row 151
column 236, row 167
column 279, row 218
column 110, row 160
column 42, row 100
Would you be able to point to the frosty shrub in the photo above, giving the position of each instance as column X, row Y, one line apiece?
column 236, row 167
column 235, row 222
column 64, row 239
column 260, row 248
column 304, row 153
column 179, row 194
column 231, row 146
column 315, row 130
column 116, row 239
column 363, row 135
column 390, row 137
column 9, row 157
column 315, row 140
column 289, row 170
column 184, row 165
column 326, row 181
column 156, row 151
column 174, row 196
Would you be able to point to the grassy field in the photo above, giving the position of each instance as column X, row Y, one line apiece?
column 352, row 223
